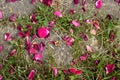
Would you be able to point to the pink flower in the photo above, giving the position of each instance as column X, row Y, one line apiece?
column 13, row 18
column 43, row 32
column 1, row 14
column 109, row 68
column 99, row 4
column 33, row 18
column 72, row 11
column 75, row 1
column 7, row 37
column 11, row 71
column 32, row 51
column 96, row 24
column 47, row 2
column 41, row 47
column 31, row 75
column 1, row 77
column 55, row 71
column 75, row 23
column 89, row 48
column 33, row 1
column 12, row 52
column 1, row 47
column 84, row 56
column 83, row 35
column 75, row 71
column 114, row 78
column 68, row 40
column 37, row 57
column 57, row 13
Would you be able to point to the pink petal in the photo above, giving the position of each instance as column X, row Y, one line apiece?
column 31, row 75
column 43, row 32
column 1, row 47
column 96, row 24
column 114, row 78
column 41, row 47
column 1, row 14
column 66, row 71
column 29, row 27
column 11, row 71
column 84, row 56
column 37, row 57
column 21, row 34
column 109, row 68
column 33, row 1
column 58, row 13
column 75, row 23
column 12, row 52
column 6, row 36
column 112, row 36
column 1, row 77
column 51, row 24
column 72, row 11
column 89, row 48
column 71, row 30
column 68, row 40
column 13, row 18
column 72, row 70
column 33, row 18
column 75, row 1
column 32, row 51
column 78, row 72
column 99, row 4
column 83, row 35
column 83, row 9
column 55, row 71
column 83, row 2
column 47, row 2
column 35, row 46
column 88, row 21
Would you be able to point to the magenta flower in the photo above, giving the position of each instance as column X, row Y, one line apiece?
column 31, row 75
column 89, row 48
column 32, row 51
column 83, row 9
column 76, row 23
column 33, row 18
column 13, row 18
column 83, row 35
column 33, row 1
column 75, row 71
column 114, row 78
column 7, row 37
column 109, row 68
column 1, row 47
column 41, row 47
column 57, row 13
column 1, row 14
column 43, row 32
column 72, row 11
column 1, row 77
column 37, row 57
column 12, row 52
column 68, row 40
column 47, row 2
column 11, row 1
column 84, row 56
column 55, row 71
column 99, row 4
column 75, row 1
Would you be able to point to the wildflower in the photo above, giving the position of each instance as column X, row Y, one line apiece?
column 57, row 13
column 47, row 2
column 83, row 35
column 68, row 40
column 37, row 57
column 75, row 71
column 43, row 32
column 33, row 18
column 31, row 75
column 84, row 56
column 109, row 68
column 51, row 24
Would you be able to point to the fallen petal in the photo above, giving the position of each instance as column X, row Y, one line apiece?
column 84, row 56
column 83, row 2
column 109, row 68
column 75, row 23
column 1, row 14
column 37, row 57
column 99, row 4
column 51, row 24
column 89, row 48
column 11, row 71
column 12, row 52
column 55, row 71
column 31, row 75
column 41, row 47
column 57, row 13
column 6, row 36
column 83, row 35
column 43, row 32
column 13, row 18
column 78, row 72
column 1, row 47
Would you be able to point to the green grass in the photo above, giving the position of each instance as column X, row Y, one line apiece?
column 23, row 63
